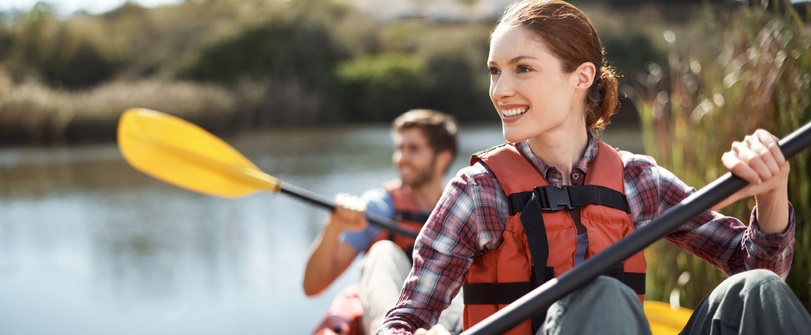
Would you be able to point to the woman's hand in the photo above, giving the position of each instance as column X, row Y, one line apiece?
column 758, row 160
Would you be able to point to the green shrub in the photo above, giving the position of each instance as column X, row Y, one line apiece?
column 456, row 78
column 51, row 50
column 455, row 86
column 278, row 48
column 378, row 88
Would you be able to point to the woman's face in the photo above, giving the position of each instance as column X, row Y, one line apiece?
column 529, row 89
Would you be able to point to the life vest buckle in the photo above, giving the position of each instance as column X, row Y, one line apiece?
column 553, row 198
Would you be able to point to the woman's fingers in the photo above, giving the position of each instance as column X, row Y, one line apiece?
column 766, row 146
column 733, row 161
column 755, row 159
column 758, row 160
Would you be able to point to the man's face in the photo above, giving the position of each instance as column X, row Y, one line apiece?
column 414, row 158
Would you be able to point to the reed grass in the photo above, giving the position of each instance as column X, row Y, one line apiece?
column 694, row 108
column 35, row 113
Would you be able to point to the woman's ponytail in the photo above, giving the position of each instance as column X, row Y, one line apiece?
column 602, row 100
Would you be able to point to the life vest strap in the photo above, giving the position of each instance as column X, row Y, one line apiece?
column 500, row 293
column 569, row 197
column 506, row 293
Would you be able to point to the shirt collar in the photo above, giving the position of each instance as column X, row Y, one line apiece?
column 582, row 165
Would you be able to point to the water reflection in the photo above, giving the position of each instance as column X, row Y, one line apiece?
column 90, row 246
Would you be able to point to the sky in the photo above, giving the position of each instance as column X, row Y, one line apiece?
column 66, row 7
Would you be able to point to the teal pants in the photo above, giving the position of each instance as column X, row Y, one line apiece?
column 752, row 302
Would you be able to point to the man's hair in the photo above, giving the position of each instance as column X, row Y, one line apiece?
column 439, row 128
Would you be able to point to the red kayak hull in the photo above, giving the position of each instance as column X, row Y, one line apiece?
column 343, row 316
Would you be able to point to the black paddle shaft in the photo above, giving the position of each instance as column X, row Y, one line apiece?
column 319, row 200
column 539, row 299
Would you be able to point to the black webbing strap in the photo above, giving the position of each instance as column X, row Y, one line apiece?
column 535, row 230
column 554, row 199
column 495, row 293
column 506, row 293
column 634, row 280
column 500, row 293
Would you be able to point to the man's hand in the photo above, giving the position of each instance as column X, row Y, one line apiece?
column 349, row 213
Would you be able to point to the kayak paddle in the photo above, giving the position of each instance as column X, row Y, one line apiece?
column 539, row 299
column 185, row 155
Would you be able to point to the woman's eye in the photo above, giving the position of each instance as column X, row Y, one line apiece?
column 523, row 69
column 493, row 71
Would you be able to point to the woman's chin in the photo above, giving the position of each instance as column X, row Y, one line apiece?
column 513, row 136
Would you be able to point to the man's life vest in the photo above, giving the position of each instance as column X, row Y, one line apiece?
column 406, row 212
column 544, row 226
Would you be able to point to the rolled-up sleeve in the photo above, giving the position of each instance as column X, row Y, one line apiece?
column 770, row 251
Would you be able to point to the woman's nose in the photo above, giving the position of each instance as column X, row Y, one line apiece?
column 501, row 87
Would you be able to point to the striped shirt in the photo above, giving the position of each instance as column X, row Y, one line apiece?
column 471, row 216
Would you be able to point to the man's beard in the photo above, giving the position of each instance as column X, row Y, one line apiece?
column 422, row 176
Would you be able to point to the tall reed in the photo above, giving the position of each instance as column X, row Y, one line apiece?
column 693, row 110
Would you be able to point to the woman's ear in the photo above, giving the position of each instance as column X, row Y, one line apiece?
column 584, row 75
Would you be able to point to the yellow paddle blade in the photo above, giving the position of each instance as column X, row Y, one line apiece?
column 665, row 320
column 183, row 154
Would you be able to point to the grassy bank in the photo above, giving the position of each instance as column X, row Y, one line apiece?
column 34, row 113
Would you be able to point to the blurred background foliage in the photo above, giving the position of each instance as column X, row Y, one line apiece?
column 280, row 63
column 701, row 73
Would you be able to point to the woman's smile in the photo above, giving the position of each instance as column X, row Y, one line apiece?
column 513, row 112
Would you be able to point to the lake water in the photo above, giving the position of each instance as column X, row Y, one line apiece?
column 88, row 245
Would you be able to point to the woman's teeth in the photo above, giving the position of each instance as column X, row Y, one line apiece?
column 514, row 111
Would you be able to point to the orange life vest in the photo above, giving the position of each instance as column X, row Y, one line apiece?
column 406, row 212
column 541, row 242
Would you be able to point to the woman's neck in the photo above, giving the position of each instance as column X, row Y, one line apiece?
column 561, row 149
